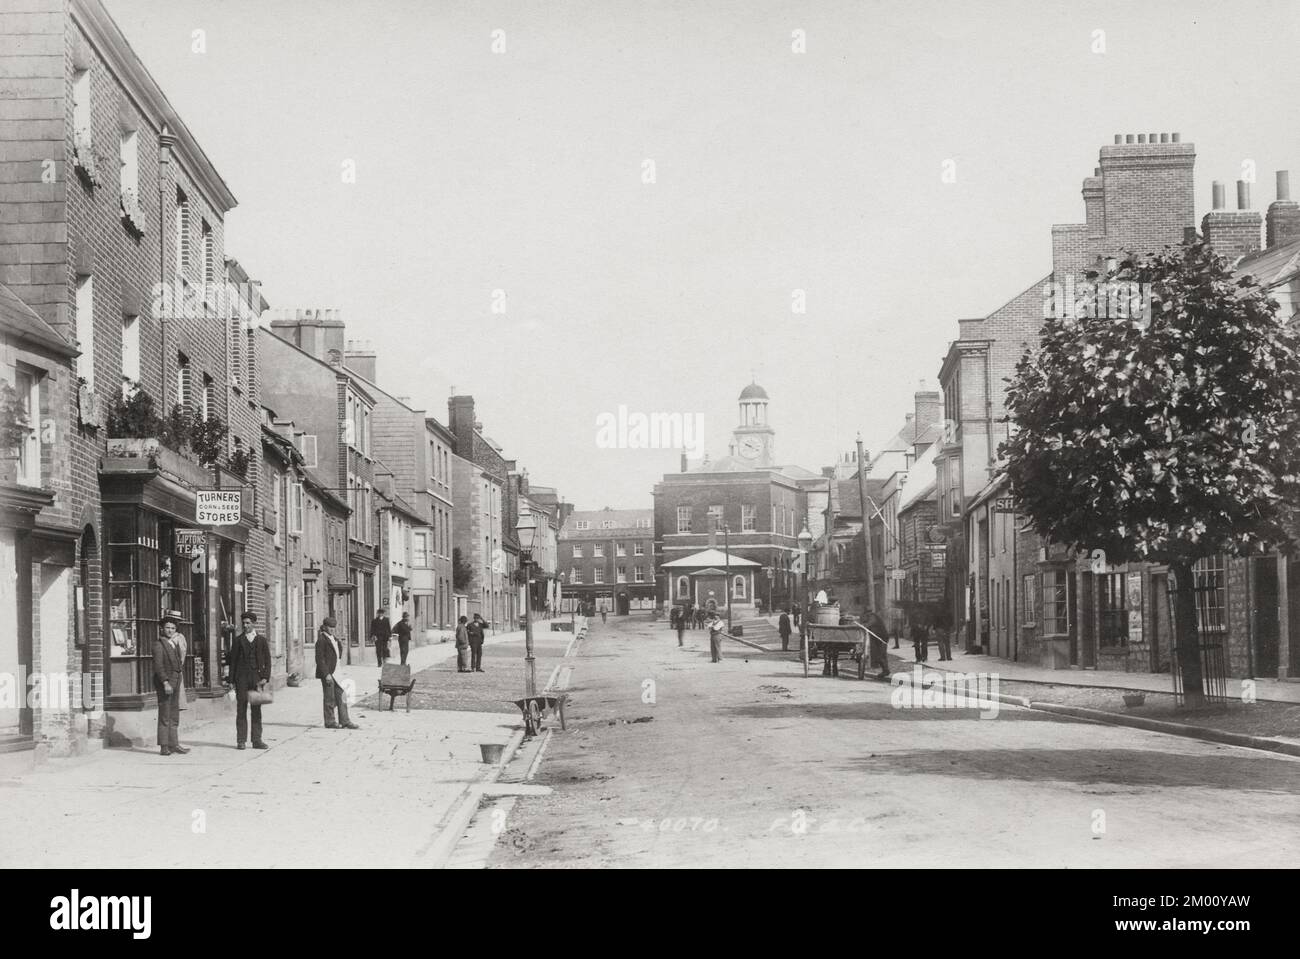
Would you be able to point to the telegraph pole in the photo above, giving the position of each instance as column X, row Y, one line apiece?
column 866, row 530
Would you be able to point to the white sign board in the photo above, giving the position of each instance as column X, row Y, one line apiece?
column 218, row 507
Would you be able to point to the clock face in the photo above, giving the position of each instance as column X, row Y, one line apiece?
column 750, row 447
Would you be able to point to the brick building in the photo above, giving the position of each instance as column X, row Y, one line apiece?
column 305, row 380
column 763, row 505
column 478, row 495
column 37, row 561
column 606, row 560
column 116, row 242
column 495, row 498
column 1139, row 198
column 415, row 450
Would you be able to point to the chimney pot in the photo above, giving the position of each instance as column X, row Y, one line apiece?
column 1119, row 138
column 1151, row 137
column 1096, row 171
column 1284, row 185
column 1217, row 191
column 1173, row 137
column 1142, row 138
column 1243, row 195
column 1164, row 138
column 1128, row 138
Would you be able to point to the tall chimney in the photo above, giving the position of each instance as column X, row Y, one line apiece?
column 1146, row 196
column 1232, row 233
column 1282, row 224
column 460, row 421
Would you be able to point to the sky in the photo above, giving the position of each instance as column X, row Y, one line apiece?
column 568, row 207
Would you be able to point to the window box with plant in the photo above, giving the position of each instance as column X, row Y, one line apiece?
column 136, row 430
column 132, row 217
column 83, row 157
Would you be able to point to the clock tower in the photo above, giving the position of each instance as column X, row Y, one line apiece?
column 753, row 440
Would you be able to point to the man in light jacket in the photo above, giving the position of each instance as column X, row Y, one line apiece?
column 328, row 654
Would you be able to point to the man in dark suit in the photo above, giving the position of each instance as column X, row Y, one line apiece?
column 328, row 653
column 168, row 660
column 380, row 632
column 783, row 627
column 250, row 667
column 475, row 630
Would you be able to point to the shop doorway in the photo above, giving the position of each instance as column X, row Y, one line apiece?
column 1265, row 626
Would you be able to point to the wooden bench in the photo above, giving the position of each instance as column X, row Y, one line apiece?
column 394, row 681
column 535, row 709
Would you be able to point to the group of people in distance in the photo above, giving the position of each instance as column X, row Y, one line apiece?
column 679, row 618
column 469, row 644
column 381, row 631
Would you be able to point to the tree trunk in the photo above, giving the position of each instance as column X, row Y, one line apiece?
column 1185, row 631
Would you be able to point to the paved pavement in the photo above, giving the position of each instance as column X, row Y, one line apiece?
column 1268, row 690
column 377, row 796
column 671, row 760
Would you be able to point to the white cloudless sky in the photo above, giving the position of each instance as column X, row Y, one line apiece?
column 775, row 171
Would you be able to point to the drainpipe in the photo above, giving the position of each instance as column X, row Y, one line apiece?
column 165, row 141
column 988, row 411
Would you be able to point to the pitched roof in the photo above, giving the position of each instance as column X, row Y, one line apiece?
column 1271, row 266
column 710, row 557
column 20, row 320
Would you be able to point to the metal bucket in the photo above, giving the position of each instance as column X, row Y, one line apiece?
column 828, row 615
column 491, row 752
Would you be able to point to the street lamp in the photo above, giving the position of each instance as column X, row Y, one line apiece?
column 805, row 546
column 526, row 531
column 726, row 539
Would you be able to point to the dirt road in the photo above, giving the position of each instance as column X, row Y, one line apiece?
column 673, row 761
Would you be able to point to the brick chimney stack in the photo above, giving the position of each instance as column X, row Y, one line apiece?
column 360, row 358
column 1282, row 225
column 1232, row 233
column 461, row 423
column 1147, row 194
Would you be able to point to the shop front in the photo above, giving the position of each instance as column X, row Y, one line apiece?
column 158, row 561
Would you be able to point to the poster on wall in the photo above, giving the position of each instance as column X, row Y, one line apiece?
column 1133, row 587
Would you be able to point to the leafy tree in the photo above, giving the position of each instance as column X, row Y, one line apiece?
column 1164, row 437
column 462, row 574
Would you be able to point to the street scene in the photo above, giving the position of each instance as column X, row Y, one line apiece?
column 487, row 436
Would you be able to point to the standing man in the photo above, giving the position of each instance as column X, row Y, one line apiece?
column 716, row 626
column 250, row 667
column 328, row 654
column 879, row 648
column 602, row 614
column 403, row 632
column 783, row 627
column 168, row 661
column 380, row 632
column 920, row 640
column 475, row 631
column 680, row 616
